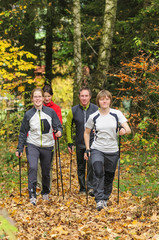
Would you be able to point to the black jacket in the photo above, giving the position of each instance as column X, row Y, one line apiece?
column 80, row 117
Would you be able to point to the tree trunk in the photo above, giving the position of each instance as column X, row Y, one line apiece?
column 49, row 43
column 106, row 43
column 77, row 49
column 28, row 40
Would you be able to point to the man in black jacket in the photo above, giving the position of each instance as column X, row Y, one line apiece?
column 79, row 115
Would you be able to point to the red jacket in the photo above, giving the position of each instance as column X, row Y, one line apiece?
column 57, row 109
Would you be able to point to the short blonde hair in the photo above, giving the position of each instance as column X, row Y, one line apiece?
column 36, row 90
column 103, row 93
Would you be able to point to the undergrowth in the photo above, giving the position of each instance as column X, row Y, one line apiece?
column 138, row 173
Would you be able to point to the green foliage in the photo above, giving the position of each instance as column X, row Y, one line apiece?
column 139, row 85
column 140, row 167
column 63, row 140
column 7, row 229
column 11, row 125
column 136, row 29
column 140, row 162
column 9, row 168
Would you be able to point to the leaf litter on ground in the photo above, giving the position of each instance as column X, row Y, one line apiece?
column 72, row 218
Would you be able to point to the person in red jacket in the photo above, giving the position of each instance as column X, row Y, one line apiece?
column 48, row 94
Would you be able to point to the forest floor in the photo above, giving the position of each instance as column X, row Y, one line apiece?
column 134, row 218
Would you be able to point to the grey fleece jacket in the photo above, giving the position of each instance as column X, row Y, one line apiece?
column 37, row 128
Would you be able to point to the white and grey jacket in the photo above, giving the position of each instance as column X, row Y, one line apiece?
column 37, row 128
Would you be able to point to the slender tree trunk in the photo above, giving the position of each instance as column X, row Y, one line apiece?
column 106, row 42
column 77, row 49
column 49, row 45
column 28, row 40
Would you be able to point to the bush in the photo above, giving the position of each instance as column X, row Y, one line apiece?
column 10, row 125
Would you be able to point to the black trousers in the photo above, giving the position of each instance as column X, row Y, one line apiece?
column 45, row 155
column 104, row 166
column 81, row 168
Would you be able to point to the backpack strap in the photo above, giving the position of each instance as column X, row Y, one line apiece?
column 117, row 121
column 94, row 120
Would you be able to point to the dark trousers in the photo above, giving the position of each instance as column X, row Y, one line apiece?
column 104, row 166
column 81, row 168
column 45, row 155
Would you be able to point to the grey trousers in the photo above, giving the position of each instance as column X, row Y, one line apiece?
column 34, row 153
column 104, row 166
column 39, row 173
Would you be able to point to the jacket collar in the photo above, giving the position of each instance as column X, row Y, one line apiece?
column 50, row 104
column 85, row 108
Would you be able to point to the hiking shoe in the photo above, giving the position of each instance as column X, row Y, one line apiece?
column 91, row 193
column 33, row 200
column 82, row 192
column 45, row 197
column 99, row 205
column 104, row 203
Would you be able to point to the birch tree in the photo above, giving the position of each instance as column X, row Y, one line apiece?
column 106, row 42
column 77, row 49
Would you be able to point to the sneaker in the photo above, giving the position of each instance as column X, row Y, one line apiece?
column 38, row 191
column 45, row 197
column 82, row 192
column 33, row 200
column 104, row 203
column 99, row 205
column 91, row 193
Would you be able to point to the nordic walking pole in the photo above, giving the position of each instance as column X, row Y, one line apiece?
column 60, row 167
column 86, row 178
column 20, row 174
column 56, row 167
column 119, row 169
column 70, row 170
column 86, row 181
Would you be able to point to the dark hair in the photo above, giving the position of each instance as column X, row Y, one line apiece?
column 85, row 88
column 48, row 89
column 103, row 93
column 36, row 90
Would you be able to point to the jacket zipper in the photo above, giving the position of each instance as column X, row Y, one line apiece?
column 40, row 128
column 84, row 111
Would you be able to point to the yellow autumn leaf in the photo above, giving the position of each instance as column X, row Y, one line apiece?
column 58, row 229
column 111, row 210
column 21, row 88
column 135, row 222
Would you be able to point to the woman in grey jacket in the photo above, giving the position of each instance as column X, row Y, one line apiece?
column 36, row 131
